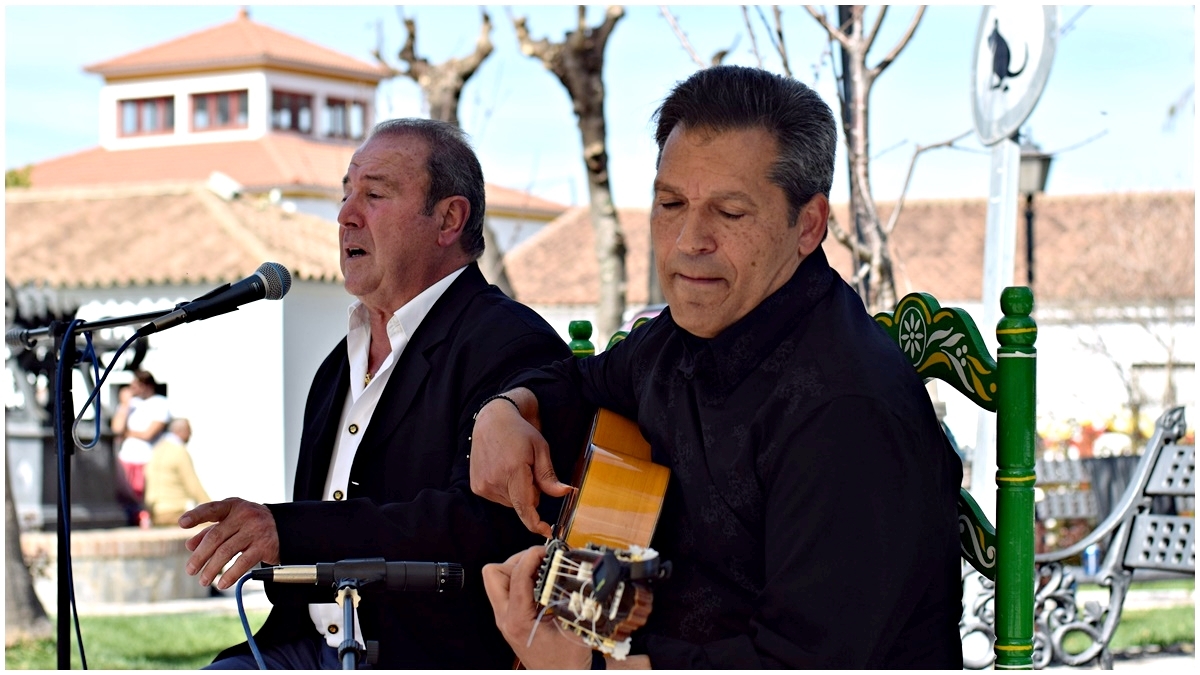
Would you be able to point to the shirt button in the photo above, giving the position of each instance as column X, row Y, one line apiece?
column 333, row 629
column 353, row 428
column 337, row 495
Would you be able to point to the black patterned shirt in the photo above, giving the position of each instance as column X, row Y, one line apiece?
column 810, row 517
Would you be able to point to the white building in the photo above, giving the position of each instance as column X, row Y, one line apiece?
column 218, row 151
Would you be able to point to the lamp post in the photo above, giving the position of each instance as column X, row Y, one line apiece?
column 1035, row 168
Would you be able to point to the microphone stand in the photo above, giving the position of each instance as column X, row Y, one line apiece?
column 66, row 355
column 64, row 405
column 347, row 599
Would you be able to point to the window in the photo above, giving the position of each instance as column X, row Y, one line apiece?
column 346, row 119
column 147, row 116
column 220, row 110
column 292, row 111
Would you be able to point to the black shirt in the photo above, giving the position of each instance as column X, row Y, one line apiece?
column 811, row 512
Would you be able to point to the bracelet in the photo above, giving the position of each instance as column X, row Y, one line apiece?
column 493, row 398
column 598, row 662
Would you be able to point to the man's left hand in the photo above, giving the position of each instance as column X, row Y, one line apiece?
column 241, row 527
column 509, row 587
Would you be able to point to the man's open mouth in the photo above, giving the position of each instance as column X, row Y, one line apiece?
column 355, row 252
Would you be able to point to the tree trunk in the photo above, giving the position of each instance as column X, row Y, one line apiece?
column 578, row 62
column 24, row 616
column 873, row 277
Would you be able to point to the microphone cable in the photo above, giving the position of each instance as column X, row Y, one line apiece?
column 246, row 623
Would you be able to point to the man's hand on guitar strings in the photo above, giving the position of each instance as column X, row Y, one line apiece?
column 510, row 459
column 510, row 588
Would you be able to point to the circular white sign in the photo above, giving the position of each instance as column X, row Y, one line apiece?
column 1013, row 53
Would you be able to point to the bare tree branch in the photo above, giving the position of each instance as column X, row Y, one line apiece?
column 834, row 33
column 683, row 40
column 611, row 16
column 895, row 216
column 720, row 55
column 1080, row 144
column 842, row 237
column 753, row 41
column 874, row 29
column 891, row 56
column 787, row 69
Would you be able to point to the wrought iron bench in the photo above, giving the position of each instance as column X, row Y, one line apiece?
column 1134, row 538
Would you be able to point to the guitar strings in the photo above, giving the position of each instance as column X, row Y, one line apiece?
column 541, row 615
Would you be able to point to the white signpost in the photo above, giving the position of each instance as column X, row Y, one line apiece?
column 1013, row 52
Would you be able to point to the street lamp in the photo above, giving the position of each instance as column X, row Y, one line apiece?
column 1035, row 168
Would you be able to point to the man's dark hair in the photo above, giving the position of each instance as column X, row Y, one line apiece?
column 727, row 98
column 453, row 170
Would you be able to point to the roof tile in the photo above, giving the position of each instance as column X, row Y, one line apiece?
column 1088, row 248
column 237, row 44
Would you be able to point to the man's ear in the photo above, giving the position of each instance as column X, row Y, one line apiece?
column 454, row 211
column 813, row 221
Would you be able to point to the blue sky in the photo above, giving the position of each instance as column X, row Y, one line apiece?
column 1116, row 72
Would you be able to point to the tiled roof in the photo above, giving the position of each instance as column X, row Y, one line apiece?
column 241, row 43
column 1094, row 248
column 557, row 266
column 514, row 202
column 275, row 160
column 282, row 160
column 168, row 234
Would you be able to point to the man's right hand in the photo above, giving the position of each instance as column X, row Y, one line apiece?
column 510, row 459
column 241, row 527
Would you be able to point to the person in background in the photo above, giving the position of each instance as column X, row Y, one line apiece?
column 140, row 419
column 172, row 486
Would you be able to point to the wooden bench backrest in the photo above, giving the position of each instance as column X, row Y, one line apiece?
column 945, row 344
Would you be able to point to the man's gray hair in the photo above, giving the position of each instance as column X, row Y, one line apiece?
column 453, row 171
column 727, row 98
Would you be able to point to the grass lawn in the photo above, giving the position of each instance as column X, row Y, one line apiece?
column 1138, row 628
column 148, row 642
column 1182, row 583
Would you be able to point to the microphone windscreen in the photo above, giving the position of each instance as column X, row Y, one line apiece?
column 278, row 279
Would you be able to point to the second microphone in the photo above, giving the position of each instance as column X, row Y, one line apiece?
column 427, row 577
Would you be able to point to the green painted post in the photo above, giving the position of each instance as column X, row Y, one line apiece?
column 1015, row 477
column 581, row 333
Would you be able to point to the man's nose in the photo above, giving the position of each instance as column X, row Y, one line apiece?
column 348, row 214
column 695, row 233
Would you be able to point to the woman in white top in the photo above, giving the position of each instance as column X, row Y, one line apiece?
column 141, row 418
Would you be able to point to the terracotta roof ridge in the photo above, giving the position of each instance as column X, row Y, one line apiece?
column 231, row 225
column 270, row 144
column 566, row 219
column 1051, row 197
column 101, row 191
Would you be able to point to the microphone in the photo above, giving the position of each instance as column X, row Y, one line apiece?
column 271, row 281
column 22, row 338
column 397, row 576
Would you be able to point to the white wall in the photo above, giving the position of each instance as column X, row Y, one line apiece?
column 314, row 321
column 182, row 88
column 258, row 84
column 320, row 89
column 225, row 374
column 1075, row 383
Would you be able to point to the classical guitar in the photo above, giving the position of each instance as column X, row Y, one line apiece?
column 595, row 578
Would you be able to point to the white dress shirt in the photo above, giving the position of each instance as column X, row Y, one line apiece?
column 360, row 404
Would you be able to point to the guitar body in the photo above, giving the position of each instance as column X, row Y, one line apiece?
column 620, row 491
